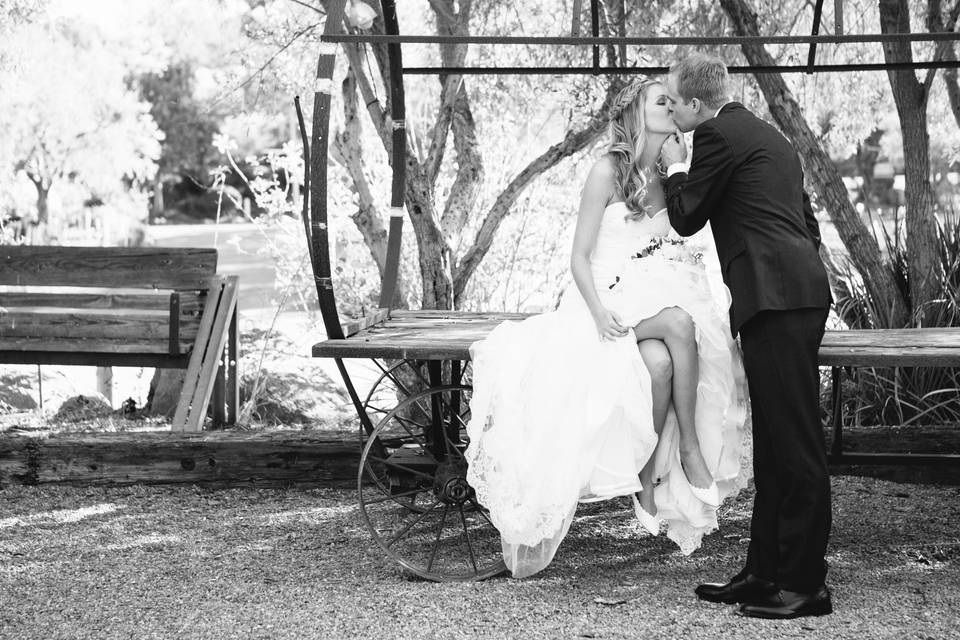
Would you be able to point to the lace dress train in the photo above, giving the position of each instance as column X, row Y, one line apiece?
column 561, row 417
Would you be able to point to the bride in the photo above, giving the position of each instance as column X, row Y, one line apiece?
column 632, row 386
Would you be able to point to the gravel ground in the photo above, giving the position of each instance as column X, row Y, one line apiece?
column 175, row 562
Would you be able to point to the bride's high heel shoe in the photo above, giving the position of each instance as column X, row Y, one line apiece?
column 709, row 496
column 647, row 521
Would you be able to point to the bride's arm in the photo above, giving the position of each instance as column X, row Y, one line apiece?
column 593, row 201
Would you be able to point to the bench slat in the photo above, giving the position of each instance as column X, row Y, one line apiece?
column 191, row 303
column 153, row 267
column 894, row 357
column 144, row 325
column 893, row 338
column 447, row 335
column 79, row 346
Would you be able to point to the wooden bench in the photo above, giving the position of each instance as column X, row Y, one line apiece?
column 446, row 335
column 118, row 306
column 937, row 347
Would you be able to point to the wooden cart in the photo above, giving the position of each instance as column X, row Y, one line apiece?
column 412, row 482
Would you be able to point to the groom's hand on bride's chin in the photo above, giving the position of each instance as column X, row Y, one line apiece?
column 672, row 151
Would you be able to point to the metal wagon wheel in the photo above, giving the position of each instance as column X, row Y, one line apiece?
column 390, row 384
column 414, row 496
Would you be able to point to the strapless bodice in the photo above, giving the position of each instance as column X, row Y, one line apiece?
column 620, row 237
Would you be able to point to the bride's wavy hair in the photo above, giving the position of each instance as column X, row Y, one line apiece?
column 628, row 137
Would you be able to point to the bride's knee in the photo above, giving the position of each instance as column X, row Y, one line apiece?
column 679, row 324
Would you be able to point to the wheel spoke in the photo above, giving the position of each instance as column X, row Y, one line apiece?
column 466, row 534
column 482, row 512
column 403, row 531
column 413, row 422
column 396, row 465
column 393, row 496
column 436, row 542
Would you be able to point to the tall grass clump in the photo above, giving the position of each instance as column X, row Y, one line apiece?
column 907, row 395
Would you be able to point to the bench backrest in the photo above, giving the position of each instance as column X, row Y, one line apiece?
column 62, row 302
column 140, row 267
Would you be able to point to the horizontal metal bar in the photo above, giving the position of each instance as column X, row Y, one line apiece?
column 559, row 71
column 643, row 40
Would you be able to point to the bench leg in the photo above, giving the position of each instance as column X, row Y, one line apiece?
column 233, row 383
column 220, row 394
column 836, row 449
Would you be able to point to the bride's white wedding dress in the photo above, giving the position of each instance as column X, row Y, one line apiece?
column 561, row 417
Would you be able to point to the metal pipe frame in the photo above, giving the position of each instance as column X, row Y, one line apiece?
column 642, row 40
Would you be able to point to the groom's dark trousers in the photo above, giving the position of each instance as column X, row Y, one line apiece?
column 791, row 510
column 747, row 181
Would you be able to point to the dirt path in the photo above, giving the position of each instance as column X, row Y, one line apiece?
column 183, row 563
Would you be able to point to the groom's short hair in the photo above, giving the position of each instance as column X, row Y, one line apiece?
column 702, row 76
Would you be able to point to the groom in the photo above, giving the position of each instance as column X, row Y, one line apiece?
column 746, row 179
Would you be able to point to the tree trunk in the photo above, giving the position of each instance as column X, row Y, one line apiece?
column 164, row 393
column 911, row 96
column 156, row 209
column 434, row 254
column 822, row 173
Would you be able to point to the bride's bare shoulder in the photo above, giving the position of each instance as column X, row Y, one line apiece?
column 603, row 174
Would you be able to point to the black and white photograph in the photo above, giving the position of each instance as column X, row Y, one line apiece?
column 430, row 319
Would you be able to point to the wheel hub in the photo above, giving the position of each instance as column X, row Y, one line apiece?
column 450, row 483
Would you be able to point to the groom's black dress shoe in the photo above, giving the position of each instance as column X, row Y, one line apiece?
column 784, row 604
column 739, row 589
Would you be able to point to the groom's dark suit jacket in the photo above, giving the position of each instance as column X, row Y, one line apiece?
column 746, row 178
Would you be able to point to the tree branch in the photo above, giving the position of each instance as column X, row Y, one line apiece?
column 573, row 142
column 946, row 51
column 449, row 23
column 470, row 171
column 377, row 115
column 347, row 150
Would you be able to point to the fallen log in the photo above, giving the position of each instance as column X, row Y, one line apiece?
column 324, row 458
column 217, row 458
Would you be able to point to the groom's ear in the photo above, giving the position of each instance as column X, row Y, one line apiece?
column 695, row 104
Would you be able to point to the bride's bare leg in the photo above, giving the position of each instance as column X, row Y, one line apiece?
column 675, row 328
column 656, row 357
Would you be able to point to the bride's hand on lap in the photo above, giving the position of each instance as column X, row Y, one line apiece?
column 608, row 324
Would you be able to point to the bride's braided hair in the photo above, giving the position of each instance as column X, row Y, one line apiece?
column 628, row 137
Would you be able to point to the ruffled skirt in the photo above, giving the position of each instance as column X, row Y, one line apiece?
column 561, row 417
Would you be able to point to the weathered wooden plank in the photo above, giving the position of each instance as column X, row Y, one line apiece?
column 443, row 335
column 10, row 347
column 154, row 267
column 111, row 324
column 213, row 353
column 895, row 357
column 220, row 458
column 191, row 303
column 355, row 326
column 890, row 338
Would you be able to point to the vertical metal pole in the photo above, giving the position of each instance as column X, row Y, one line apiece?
column 453, row 426
column 812, row 56
column 838, row 17
column 577, row 9
column 398, row 157
column 439, row 447
column 836, row 448
column 595, row 29
column 319, row 241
